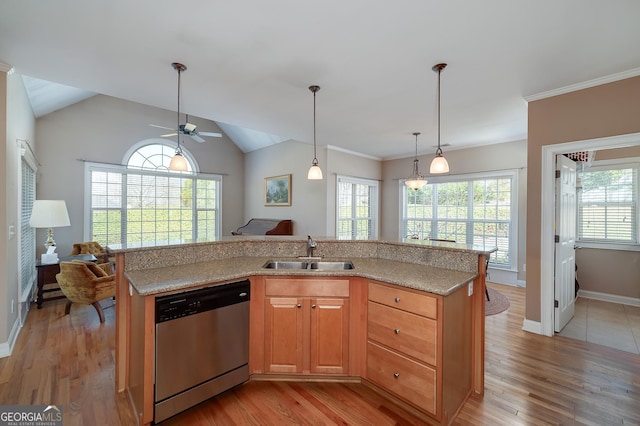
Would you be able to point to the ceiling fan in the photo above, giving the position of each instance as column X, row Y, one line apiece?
column 188, row 129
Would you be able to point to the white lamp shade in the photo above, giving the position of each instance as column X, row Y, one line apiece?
column 49, row 214
column 315, row 173
column 178, row 163
column 439, row 165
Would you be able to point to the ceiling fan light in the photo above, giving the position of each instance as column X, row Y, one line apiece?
column 189, row 127
column 439, row 165
column 178, row 163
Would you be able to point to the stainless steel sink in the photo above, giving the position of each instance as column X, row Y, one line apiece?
column 310, row 266
column 330, row 266
column 279, row 264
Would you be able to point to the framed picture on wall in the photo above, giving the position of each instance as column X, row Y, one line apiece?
column 277, row 190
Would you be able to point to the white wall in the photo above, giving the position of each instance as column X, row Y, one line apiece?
column 312, row 202
column 511, row 155
column 102, row 129
column 20, row 124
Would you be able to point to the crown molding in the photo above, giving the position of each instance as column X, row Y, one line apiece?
column 5, row 67
column 584, row 85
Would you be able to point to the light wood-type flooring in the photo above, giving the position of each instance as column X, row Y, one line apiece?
column 530, row 380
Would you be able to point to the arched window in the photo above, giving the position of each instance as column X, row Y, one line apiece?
column 156, row 154
column 143, row 203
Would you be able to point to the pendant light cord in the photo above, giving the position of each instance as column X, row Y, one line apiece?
column 178, row 121
column 439, row 150
column 315, row 157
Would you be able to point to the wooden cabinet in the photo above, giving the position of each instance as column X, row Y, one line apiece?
column 406, row 339
column 306, row 327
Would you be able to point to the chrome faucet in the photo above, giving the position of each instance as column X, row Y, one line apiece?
column 311, row 245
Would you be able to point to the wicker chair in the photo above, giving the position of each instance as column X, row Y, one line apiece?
column 90, row 247
column 87, row 283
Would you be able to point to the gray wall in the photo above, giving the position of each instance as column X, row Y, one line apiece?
column 313, row 203
column 102, row 129
column 16, row 122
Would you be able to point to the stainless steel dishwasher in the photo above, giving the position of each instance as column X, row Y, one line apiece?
column 202, row 345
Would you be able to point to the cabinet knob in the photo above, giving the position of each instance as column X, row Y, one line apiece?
column 397, row 331
column 397, row 299
column 299, row 306
column 313, row 306
column 396, row 375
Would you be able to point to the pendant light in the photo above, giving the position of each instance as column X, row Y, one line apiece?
column 416, row 180
column 439, row 164
column 315, row 173
column 178, row 162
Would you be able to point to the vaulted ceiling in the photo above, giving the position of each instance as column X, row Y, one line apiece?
column 250, row 63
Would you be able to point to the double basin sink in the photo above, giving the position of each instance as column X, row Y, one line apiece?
column 309, row 265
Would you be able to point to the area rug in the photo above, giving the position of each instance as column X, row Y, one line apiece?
column 498, row 302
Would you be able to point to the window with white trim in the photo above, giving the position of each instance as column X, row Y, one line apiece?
column 608, row 204
column 357, row 208
column 477, row 209
column 27, row 233
column 146, row 204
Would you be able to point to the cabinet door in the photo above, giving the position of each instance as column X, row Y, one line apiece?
column 283, row 335
column 329, row 346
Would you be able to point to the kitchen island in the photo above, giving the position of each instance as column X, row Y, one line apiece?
column 344, row 323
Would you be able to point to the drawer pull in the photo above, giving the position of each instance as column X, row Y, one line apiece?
column 396, row 375
column 313, row 306
column 299, row 306
column 397, row 331
column 397, row 299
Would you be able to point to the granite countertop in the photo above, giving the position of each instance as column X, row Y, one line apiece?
column 421, row 277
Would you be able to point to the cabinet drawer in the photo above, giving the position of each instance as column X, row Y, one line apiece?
column 410, row 380
column 306, row 287
column 405, row 332
column 421, row 304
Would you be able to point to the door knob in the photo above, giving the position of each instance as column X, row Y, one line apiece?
column 397, row 299
column 299, row 305
column 313, row 306
column 396, row 375
column 397, row 331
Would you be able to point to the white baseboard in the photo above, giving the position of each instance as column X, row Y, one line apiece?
column 623, row 300
column 502, row 276
column 532, row 326
column 7, row 347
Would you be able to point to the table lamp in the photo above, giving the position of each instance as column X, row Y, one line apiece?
column 49, row 214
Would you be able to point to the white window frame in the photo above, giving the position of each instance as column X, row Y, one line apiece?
column 374, row 186
column 91, row 167
column 619, row 163
column 513, row 233
column 27, row 235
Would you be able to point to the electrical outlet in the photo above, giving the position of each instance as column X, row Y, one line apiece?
column 470, row 288
column 524, row 267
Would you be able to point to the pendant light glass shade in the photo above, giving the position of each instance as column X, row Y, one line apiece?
column 439, row 164
column 178, row 162
column 315, row 173
column 416, row 180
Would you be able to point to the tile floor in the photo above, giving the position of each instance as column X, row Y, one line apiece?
column 605, row 323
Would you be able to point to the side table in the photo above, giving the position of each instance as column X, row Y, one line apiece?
column 47, row 275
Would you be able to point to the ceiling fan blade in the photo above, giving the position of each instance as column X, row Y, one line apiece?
column 168, row 135
column 196, row 138
column 215, row 135
column 161, row 127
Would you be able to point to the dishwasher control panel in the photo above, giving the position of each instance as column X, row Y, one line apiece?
column 192, row 302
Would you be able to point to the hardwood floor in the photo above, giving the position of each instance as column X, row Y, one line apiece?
column 530, row 380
